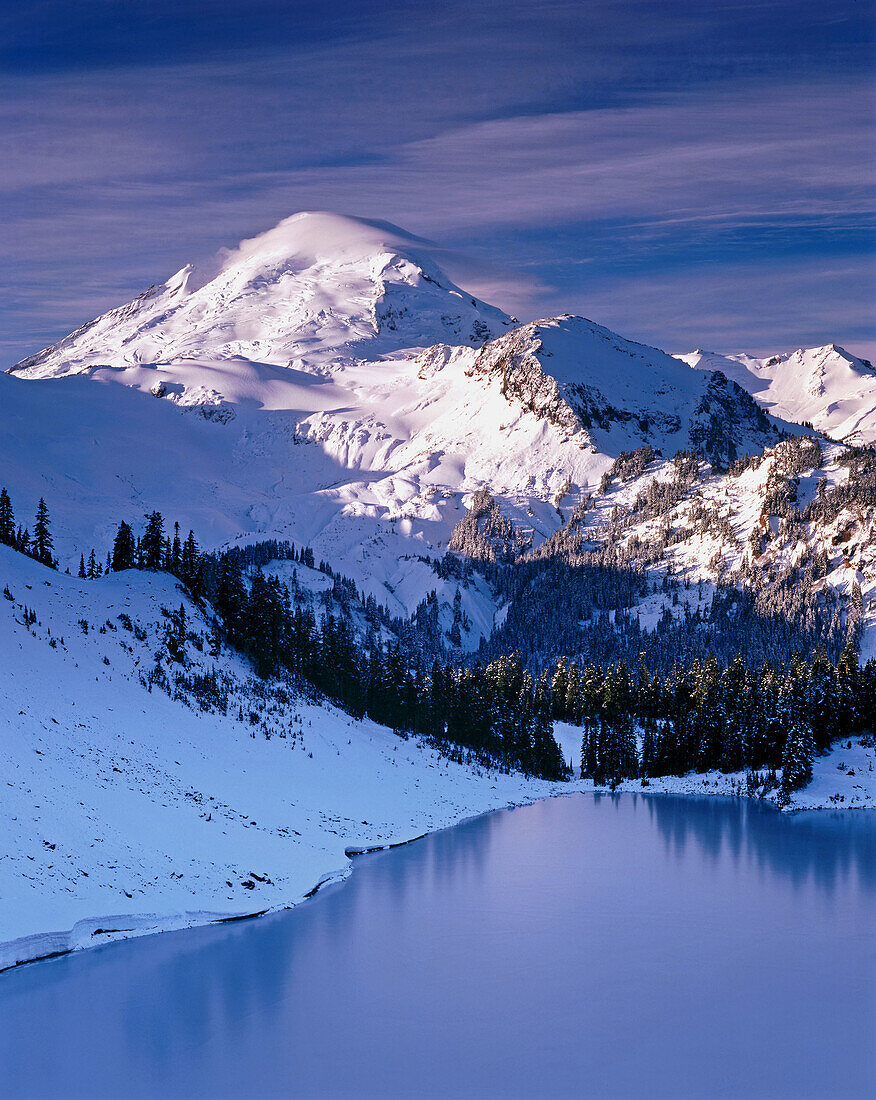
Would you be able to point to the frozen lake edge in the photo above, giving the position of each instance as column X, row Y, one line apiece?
column 45, row 946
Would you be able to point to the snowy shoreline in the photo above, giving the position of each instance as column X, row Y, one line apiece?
column 843, row 779
column 44, row 946
column 49, row 945
column 127, row 809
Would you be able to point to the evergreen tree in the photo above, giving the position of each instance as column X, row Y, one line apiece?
column 650, row 748
column 824, row 701
column 735, row 694
column 798, row 754
column 573, row 706
column 455, row 634
column 152, row 543
column 591, row 742
column 43, row 544
column 617, row 757
column 848, row 685
column 176, row 553
column 547, row 758
column 7, row 520
column 190, row 563
column 124, row 552
column 230, row 598
column 266, row 623
column 560, row 687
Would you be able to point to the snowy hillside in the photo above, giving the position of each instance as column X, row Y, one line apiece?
column 126, row 810
column 152, row 782
column 316, row 287
column 827, row 387
column 795, row 527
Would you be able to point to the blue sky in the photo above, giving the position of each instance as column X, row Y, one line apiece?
column 690, row 174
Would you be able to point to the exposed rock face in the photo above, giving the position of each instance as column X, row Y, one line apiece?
column 724, row 413
column 514, row 359
column 588, row 381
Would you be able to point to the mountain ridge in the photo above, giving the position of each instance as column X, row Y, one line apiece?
column 827, row 386
column 337, row 434
column 367, row 450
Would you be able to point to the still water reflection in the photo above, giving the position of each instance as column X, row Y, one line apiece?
column 583, row 946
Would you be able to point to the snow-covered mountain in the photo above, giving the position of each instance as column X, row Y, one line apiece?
column 327, row 383
column 583, row 377
column 330, row 384
column 315, row 288
column 827, row 387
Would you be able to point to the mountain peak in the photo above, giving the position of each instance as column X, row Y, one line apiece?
column 315, row 289
column 322, row 236
column 827, row 386
column 620, row 395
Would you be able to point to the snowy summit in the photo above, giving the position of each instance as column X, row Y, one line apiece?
column 316, row 287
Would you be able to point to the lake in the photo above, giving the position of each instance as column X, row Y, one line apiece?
column 583, row 946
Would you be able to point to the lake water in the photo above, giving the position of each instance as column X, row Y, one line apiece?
column 583, row 946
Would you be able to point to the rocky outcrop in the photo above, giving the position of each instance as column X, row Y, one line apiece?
column 514, row 360
column 590, row 382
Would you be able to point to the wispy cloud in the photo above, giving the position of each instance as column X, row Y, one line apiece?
column 760, row 308
column 582, row 146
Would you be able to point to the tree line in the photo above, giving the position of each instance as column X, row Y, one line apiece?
column 497, row 712
column 701, row 715
column 705, row 718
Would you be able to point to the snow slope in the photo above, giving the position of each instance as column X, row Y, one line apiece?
column 126, row 811
column 827, row 387
column 372, row 470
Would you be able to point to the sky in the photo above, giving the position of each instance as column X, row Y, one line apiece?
column 691, row 174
